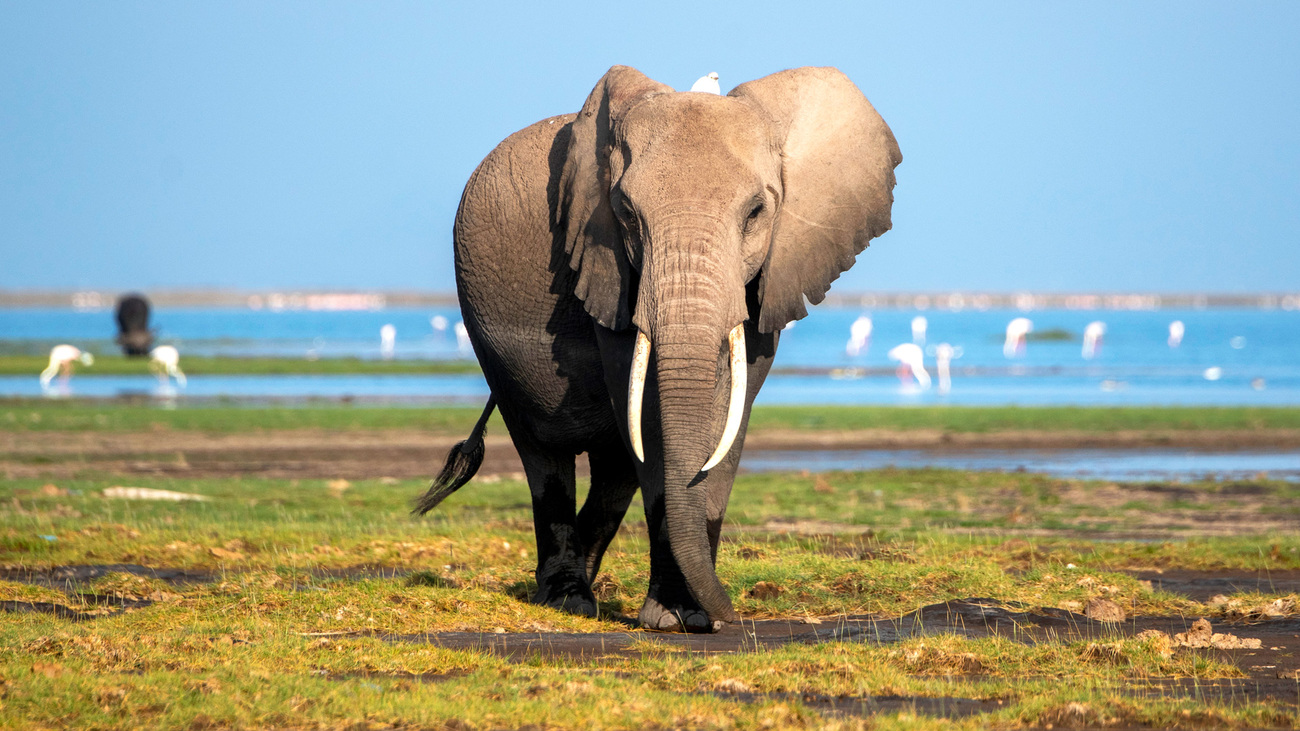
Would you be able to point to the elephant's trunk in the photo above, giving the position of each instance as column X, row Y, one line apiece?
column 690, row 311
column 691, row 384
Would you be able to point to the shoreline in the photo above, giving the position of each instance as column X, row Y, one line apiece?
column 766, row 440
column 412, row 454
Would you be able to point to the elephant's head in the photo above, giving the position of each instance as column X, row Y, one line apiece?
column 672, row 205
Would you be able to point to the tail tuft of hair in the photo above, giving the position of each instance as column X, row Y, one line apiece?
column 463, row 461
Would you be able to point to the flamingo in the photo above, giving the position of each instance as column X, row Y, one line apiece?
column 919, row 325
column 62, row 358
column 911, row 362
column 1092, row 335
column 165, row 360
column 1176, row 330
column 1017, row 329
column 944, row 354
column 707, row 83
column 387, row 341
column 859, row 336
column 462, row 340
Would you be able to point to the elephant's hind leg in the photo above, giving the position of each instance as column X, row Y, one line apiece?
column 613, row 484
column 561, row 556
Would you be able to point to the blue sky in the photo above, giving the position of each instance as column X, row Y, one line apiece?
column 1094, row 146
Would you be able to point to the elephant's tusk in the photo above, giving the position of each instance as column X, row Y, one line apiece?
column 736, row 407
column 636, row 391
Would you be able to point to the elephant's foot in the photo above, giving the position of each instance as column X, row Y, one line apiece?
column 681, row 617
column 566, row 593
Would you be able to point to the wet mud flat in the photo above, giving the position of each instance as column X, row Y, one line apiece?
column 1273, row 669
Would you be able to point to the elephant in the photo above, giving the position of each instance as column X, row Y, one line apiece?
column 133, row 332
column 624, row 274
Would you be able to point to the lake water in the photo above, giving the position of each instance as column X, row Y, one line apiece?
column 1252, row 356
column 1124, row 465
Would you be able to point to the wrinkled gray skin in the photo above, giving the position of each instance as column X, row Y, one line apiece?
column 680, row 215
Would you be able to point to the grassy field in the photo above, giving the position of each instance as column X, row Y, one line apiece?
column 317, row 604
column 45, row 415
column 197, row 365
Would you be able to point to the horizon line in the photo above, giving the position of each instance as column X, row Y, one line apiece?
column 325, row 299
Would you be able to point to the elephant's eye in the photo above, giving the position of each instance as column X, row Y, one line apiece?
column 626, row 215
column 751, row 220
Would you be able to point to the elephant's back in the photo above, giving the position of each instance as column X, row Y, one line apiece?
column 534, row 340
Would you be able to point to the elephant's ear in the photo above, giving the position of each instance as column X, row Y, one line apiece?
column 584, row 217
column 838, row 158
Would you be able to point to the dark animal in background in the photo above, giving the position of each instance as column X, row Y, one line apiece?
column 625, row 274
column 133, row 332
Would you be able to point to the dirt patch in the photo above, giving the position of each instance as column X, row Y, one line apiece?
column 937, row 707
column 1203, row 585
column 1272, row 668
column 58, row 610
column 66, row 577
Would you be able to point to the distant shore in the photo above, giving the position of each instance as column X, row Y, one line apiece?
column 322, row 300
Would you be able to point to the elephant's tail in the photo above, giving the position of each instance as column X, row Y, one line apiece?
column 462, row 462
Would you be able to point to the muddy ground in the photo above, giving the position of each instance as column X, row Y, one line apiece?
column 1272, row 671
column 311, row 453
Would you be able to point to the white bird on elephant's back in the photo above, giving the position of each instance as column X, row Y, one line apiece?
column 707, row 84
column 62, row 360
column 165, row 360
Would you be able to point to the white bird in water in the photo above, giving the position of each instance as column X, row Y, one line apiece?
column 859, row 336
column 944, row 354
column 62, row 358
column 462, row 340
column 165, row 360
column 439, row 323
column 707, row 84
column 919, row 326
column 911, row 364
column 1092, row 335
column 1017, row 329
column 387, row 341
column 1176, row 330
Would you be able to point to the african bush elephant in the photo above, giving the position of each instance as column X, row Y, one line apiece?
column 133, row 332
column 624, row 273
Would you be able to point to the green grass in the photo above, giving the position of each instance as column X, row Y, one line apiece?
column 197, row 365
column 18, row 414
column 277, row 640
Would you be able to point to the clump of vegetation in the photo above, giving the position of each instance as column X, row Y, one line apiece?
column 1052, row 335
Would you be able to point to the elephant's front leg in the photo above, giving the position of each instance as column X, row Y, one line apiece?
column 561, row 556
column 669, row 605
